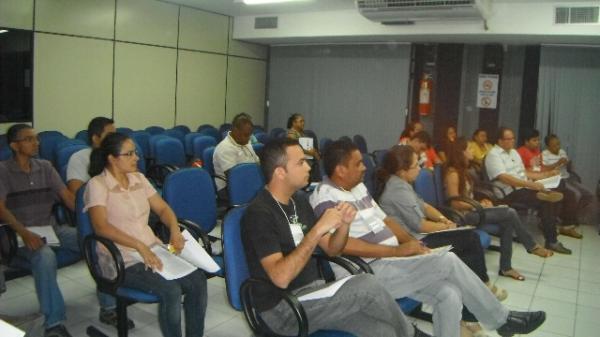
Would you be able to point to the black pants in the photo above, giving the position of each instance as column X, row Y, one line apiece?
column 546, row 210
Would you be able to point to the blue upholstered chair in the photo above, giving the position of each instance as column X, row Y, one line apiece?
column 48, row 141
column 244, row 181
column 155, row 130
column 361, row 142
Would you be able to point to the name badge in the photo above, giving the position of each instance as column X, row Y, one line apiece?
column 297, row 233
column 376, row 226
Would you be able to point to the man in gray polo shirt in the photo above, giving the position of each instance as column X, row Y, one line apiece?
column 29, row 189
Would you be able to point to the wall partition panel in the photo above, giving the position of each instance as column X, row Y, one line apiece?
column 151, row 22
column 16, row 14
column 246, row 88
column 204, row 31
column 144, row 86
column 72, row 82
column 342, row 90
column 90, row 18
column 200, row 88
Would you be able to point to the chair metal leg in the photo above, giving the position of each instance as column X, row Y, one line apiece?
column 92, row 331
column 122, row 328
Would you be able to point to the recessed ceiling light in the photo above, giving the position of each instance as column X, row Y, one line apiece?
column 3, row 31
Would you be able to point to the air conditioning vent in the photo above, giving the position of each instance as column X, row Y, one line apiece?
column 395, row 11
column 576, row 15
column 267, row 22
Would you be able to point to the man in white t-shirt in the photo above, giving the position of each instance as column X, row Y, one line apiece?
column 554, row 156
column 77, row 175
column 234, row 149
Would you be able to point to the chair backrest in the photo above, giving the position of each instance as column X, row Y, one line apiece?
column 48, row 141
column 182, row 128
column 257, row 147
column 141, row 163
column 82, row 135
column 200, row 144
column 236, row 267
column 152, row 144
column 174, row 133
column 64, row 144
column 369, row 178
column 5, row 152
column 325, row 141
column 345, row 139
column 438, row 181
column 276, row 132
column 378, row 155
column 64, row 154
column 142, row 138
column 169, row 151
column 207, row 160
column 224, row 127
column 189, row 142
column 82, row 219
column 425, row 187
column 123, row 130
column 258, row 129
column 244, row 181
column 191, row 194
column 361, row 142
column 155, row 130
column 212, row 132
column 262, row 137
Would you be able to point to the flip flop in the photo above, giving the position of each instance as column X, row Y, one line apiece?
column 512, row 274
column 541, row 251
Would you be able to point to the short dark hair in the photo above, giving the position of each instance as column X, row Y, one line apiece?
column 479, row 130
column 292, row 119
column 240, row 120
column 423, row 137
column 337, row 153
column 12, row 134
column 501, row 131
column 530, row 133
column 274, row 155
column 96, row 127
column 549, row 138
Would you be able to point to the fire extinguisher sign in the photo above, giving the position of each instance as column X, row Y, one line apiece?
column 487, row 91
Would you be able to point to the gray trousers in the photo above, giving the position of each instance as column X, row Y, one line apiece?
column 361, row 306
column 443, row 282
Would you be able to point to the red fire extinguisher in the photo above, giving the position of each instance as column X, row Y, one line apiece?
column 425, row 95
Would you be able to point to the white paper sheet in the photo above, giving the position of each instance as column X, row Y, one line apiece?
column 328, row 291
column 434, row 251
column 307, row 144
column 7, row 330
column 550, row 182
column 173, row 267
column 46, row 232
column 196, row 255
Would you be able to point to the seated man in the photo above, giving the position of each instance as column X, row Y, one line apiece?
column 77, row 175
column 280, row 233
column 555, row 157
column 232, row 150
column 29, row 189
column 441, row 280
column 534, row 169
column 505, row 167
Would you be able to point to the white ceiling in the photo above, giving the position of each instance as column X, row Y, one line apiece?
column 236, row 8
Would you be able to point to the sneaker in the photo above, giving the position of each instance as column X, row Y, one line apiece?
column 110, row 317
column 558, row 247
column 57, row 331
column 569, row 231
column 549, row 196
column 521, row 323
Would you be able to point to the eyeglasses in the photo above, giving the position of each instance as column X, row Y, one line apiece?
column 29, row 139
column 128, row 154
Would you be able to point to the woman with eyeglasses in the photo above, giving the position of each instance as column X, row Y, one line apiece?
column 119, row 200
column 459, row 183
column 399, row 200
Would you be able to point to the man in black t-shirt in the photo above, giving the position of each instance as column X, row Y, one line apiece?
column 280, row 233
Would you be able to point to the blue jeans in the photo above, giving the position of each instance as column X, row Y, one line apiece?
column 193, row 286
column 43, row 267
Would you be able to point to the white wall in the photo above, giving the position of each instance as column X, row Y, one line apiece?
column 142, row 62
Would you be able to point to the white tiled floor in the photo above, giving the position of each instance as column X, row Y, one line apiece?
column 566, row 287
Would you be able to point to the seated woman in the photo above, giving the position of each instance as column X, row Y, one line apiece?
column 399, row 200
column 449, row 139
column 295, row 125
column 119, row 200
column 458, row 183
column 479, row 147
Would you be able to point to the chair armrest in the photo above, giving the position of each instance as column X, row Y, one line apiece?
column 322, row 260
column 360, row 263
column 162, row 232
column 257, row 324
column 453, row 215
column 477, row 207
column 63, row 215
column 158, row 173
column 8, row 244
column 91, row 258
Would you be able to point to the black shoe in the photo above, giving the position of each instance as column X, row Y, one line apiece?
column 520, row 322
column 57, row 331
column 419, row 333
column 110, row 317
column 558, row 247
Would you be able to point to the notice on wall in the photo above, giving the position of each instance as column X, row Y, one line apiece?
column 487, row 91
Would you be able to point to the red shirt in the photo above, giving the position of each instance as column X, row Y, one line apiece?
column 531, row 158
